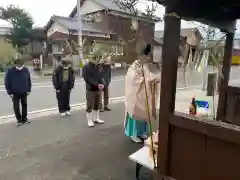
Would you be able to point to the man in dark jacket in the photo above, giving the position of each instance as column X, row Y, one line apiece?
column 63, row 82
column 106, row 71
column 18, row 85
column 94, row 85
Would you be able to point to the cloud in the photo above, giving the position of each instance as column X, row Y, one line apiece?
column 41, row 11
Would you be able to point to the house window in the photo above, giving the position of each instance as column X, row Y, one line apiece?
column 120, row 49
column 98, row 17
column 88, row 18
column 91, row 49
column 134, row 24
column 114, row 49
column 117, row 49
column 57, row 48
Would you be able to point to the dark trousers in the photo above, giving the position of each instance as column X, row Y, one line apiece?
column 17, row 98
column 63, row 98
column 104, row 97
column 93, row 100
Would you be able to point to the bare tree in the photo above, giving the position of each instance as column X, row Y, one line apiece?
column 151, row 10
column 208, row 32
column 130, row 5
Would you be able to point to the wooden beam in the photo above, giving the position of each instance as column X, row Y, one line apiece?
column 168, row 83
column 216, row 129
column 227, row 61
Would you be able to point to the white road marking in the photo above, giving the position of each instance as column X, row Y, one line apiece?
column 78, row 106
column 53, row 111
column 43, row 85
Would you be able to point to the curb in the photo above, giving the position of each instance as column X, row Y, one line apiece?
column 53, row 111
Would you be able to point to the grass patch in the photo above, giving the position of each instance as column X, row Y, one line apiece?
column 2, row 75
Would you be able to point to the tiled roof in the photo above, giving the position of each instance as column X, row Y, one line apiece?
column 72, row 24
column 115, row 6
column 184, row 32
column 5, row 30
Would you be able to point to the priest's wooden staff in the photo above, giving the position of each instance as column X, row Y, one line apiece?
column 149, row 117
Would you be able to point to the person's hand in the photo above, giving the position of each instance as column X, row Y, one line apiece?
column 100, row 86
column 11, row 95
column 28, row 93
column 57, row 91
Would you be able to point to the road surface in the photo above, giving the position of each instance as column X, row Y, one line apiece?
column 43, row 95
column 54, row 148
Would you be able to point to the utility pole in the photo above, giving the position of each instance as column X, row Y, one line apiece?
column 205, row 67
column 79, row 20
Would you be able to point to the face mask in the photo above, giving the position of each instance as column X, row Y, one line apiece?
column 65, row 67
column 19, row 68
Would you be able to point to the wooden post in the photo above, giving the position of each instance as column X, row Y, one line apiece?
column 227, row 61
column 170, row 54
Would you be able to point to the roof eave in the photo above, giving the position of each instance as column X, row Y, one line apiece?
column 49, row 23
column 150, row 19
column 100, row 32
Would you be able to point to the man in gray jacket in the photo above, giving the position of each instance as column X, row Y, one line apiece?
column 106, row 73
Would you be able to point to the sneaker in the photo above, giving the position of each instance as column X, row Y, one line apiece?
column 62, row 114
column 143, row 137
column 107, row 109
column 136, row 140
column 68, row 113
column 26, row 121
column 19, row 124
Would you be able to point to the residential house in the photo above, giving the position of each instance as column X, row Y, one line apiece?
column 219, row 44
column 30, row 51
column 37, row 46
column 190, row 41
column 7, row 52
column 104, row 22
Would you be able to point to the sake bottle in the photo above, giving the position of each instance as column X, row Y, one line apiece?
column 193, row 107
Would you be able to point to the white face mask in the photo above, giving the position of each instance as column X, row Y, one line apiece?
column 65, row 67
column 19, row 68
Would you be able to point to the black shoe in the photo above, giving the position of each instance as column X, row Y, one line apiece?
column 26, row 121
column 19, row 124
column 107, row 109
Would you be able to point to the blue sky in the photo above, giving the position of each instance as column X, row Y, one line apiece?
column 42, row 13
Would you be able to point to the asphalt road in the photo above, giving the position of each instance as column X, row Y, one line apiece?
column 43, row 95
column 54, row 148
